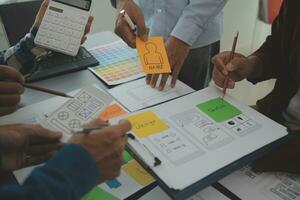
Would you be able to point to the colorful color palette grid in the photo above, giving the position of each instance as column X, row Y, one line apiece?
column 118, row 63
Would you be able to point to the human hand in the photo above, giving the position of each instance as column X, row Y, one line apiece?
column 10, row 89
column 24, row 145
column 237, row 69
column 106, row 146
column 122, row 28
column 39, row 17
column 177, row 52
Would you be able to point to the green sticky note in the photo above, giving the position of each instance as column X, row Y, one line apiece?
column 127, row 157
column 99, row 194
column 219, row 109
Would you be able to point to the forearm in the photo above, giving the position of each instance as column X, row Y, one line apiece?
column 195, row 18
column 255, row 66
column 68, row 175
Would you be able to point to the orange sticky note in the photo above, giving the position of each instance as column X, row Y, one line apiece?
column 147, row 123
column 111, row 112
column 153, row 55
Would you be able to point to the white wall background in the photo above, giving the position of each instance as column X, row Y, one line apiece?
column 240, row 15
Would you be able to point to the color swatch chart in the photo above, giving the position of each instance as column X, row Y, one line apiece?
column 118, row 63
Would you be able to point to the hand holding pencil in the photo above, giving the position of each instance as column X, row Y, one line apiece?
column 230, row 68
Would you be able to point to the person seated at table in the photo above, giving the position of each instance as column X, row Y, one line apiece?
column 279, row 58
column 23, row 55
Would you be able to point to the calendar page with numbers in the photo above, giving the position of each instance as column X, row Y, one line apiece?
column 63, row 25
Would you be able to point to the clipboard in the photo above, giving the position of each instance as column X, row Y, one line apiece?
column 216, row 176
column 191, row 142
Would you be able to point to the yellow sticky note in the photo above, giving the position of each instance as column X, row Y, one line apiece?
column 146, row 123
column 138, row 173
column 153, row 55
column 111, row 112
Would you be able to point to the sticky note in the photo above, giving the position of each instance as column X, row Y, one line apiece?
column 146, row 124
column 126, row 156
column 219, row 109
column 98, row 194
column 138, row 173
column 153, row 55
column 111, row 112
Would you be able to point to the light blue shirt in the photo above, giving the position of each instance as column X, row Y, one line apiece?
column 196, row 22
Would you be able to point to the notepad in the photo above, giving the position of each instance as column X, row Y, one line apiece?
column 153, row 55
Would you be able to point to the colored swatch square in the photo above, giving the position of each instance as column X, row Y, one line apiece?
column 219, row 109
column 146, row 124
column 153, row 55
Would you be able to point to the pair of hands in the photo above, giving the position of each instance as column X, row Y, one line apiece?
column 177, row 50
column 26, row 145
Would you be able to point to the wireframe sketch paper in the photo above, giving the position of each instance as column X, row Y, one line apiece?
column 198, row 138
column 248, row 185
column 86, row 105
column 153, row 55
column 208, row 193
column 43, row 111
column 137, row 94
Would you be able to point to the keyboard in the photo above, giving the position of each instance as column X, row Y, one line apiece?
column 57, row 64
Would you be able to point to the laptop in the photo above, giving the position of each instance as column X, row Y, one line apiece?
column 58, row 64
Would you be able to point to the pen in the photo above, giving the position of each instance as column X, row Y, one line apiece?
column 89, row 130
column 230, row 58
column 128, row 20
column 49, row 91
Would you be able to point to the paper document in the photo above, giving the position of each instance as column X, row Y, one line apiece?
column 137, row 94
column 85, row 106
column 208, row 193
column 118, row 63
column 249, row 185
column 201, row 135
